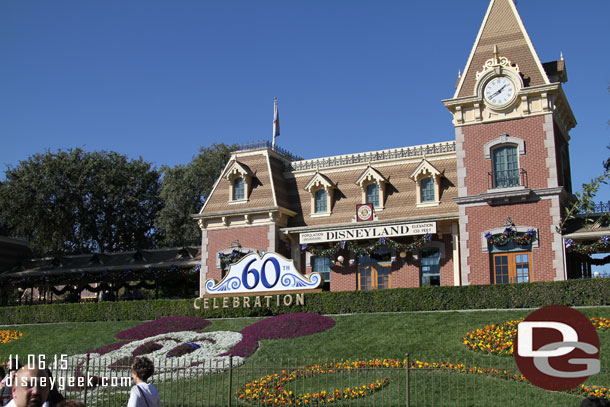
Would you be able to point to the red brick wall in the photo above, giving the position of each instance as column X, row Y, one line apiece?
column 534, row 214
column 254, row 237
column 534, row 160
column 405, row 273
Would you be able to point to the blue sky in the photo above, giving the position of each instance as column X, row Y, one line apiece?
column 159, row 79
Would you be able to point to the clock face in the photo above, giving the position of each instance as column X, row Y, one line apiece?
column 499, row 92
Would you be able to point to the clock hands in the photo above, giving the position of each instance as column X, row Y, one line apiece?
column 497, row 92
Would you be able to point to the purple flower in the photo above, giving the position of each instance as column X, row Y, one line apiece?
column 507, row 232
column 530, row 232
column 606, row 239
column 162, row 326
column 382, row 240
column 280, row 327
column 488, row 235
column 569, row 243
column 428, row 237
column 304, row 246
column 342, row 244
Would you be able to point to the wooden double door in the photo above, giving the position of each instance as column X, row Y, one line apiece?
column 513, row 267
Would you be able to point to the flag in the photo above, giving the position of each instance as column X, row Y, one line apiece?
column 276, row 121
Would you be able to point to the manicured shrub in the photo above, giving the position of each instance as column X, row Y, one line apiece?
column 590, row 292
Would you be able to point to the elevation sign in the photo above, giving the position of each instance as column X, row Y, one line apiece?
column 370, row 232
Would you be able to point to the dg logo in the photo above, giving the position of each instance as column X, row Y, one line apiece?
column 556, row 348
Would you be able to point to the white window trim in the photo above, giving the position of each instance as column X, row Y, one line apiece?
column 503, row 139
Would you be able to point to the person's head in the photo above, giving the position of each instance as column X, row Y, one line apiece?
column 30, row 387
column 71, row 403
column 595, row 402
column 142, row 368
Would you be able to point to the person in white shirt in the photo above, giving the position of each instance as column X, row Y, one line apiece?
column 30, row 387
column 143, row 394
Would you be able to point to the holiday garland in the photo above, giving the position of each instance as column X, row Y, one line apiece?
column 591, row 248
column 510, row 235
column 383, row 242
column 233, row 257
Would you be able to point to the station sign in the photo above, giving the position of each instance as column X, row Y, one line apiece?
column 368, row 232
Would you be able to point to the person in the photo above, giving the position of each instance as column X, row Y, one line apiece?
column 55, row 397
column 595, row 402
column 30, row 387
column 6, row 393
column 143, row 394
column 71, row 403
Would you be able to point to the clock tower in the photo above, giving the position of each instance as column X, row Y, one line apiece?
column 511, row 120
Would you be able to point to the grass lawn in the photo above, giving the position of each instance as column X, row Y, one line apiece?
column 424, row 336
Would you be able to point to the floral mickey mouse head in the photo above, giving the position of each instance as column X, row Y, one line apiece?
column 179, row 341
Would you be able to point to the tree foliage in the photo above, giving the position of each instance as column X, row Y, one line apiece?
column 80, row 202
column 184, row 190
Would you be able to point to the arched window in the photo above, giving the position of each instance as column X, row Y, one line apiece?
column 238, row 189
column 427, row 190
column 372, row 194
column 321, row 201
column 505, row 166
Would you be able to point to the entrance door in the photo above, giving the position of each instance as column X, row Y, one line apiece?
column 512, row 267
column 373, row 274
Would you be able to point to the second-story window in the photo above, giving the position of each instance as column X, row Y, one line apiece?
column 505, row 167
column 321, row 201
column 238, row 189
column 427, row 190
column 372, row 194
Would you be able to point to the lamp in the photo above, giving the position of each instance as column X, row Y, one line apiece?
column 340, row 259
column 403, row 254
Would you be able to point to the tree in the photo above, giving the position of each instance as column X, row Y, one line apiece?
column 79, row 202
column 184, row 190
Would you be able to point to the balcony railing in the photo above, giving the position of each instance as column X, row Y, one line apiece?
column 507, row 178
column 593, row 208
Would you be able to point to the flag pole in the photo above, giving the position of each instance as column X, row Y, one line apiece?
column 276, row 123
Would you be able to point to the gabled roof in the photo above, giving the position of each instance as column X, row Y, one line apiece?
column 319, row 179
column 424, row 167
column 370, row 174
column 502, row 27
column 237, row 168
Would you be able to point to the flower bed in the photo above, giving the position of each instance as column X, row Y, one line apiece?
column 280, row 327
column 163, row 326
column 498, row 339
column 8, row 335
column 269, row 390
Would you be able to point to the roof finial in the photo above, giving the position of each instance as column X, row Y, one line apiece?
column 496, row 53
column 562, row 55
column 459, row 74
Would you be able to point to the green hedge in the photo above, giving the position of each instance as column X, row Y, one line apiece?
column 571, row 293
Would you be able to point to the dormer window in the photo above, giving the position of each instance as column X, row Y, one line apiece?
column 428, row 184
column 372, row 194
column 321, row 205
column 321, row 189
column 240, row 180
column 373, row 186
column 427, row 190
column 238, row 189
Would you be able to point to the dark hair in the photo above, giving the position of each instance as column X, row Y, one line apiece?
column 13, row 365
column 143, row 367
column 71, row 403
column 2, row 372
column 595, row 402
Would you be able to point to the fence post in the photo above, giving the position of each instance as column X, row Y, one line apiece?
column 86, row 373
column 407, row 384
column 230, row 379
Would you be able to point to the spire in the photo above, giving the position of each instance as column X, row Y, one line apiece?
column 276, row 122
column 503, row 34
